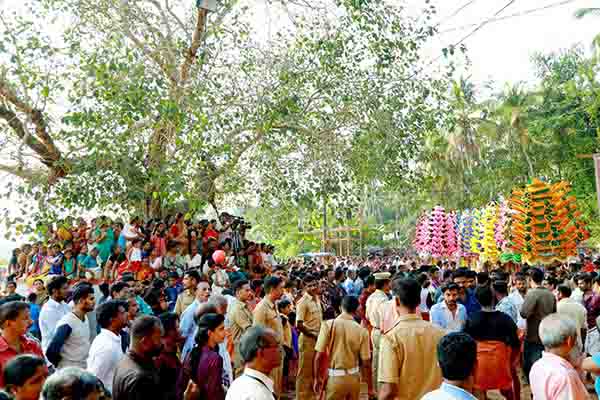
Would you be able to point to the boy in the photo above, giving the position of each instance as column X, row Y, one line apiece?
column 285, row 308
column 173, row 289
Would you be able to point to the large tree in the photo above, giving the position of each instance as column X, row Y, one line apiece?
column 148, row 103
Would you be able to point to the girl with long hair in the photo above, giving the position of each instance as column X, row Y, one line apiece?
column 204, row 366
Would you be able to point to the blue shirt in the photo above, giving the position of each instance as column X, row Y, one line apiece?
column 89, row 262
column 56, row 268
column 122, row 242
column 187, row 327
column 353, row 288
column 471, row 303
column 34, row 313
column 509, row 308
column 172, row 292
column 442, row 317
column 447, row 392
column 596, row 360
column 144, row 307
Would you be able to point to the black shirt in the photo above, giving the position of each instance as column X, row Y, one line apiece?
column 136, row 379
column 492, row 325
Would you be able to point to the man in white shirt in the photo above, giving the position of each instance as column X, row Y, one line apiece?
column 261, row 352
column 577, row 312
column 71, row 342
column 195, row 259
column 449, row 314
column 54, row 309
column 106, row 350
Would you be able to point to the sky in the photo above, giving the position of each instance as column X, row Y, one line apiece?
column 499, row 51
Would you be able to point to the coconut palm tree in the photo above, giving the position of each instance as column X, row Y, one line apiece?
column 586, row 12
column 511, row 114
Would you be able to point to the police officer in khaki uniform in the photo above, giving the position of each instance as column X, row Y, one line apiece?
column 266, row 315
column 240, row 319
column 374, row 309
column 309, row 315
column 349, row 344
column 408, row 367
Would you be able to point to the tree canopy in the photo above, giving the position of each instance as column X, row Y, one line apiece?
column 146, row 104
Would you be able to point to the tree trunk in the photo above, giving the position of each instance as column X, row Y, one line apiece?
column 157, row 148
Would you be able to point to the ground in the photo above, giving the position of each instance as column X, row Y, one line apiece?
column 492, row 395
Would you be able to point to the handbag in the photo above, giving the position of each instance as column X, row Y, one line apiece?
column 323, row 367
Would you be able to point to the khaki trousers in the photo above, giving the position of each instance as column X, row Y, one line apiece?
column 343, row 387
column 376, row 338
column 304, row 379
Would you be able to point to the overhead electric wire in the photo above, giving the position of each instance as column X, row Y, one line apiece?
column 455, row 13
column 481, row 25
column 515, row 15
column 494, row 18
column 484, row 23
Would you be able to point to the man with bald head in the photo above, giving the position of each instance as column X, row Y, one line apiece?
column 553, row 377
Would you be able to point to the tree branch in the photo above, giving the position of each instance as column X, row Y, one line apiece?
column 194, row 46
column 26, row 174
column 47, row 157
column 175, row 17
column 152, row 55
column 41, row 143
column 34, row 115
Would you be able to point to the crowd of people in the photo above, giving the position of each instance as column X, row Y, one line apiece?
column 176, row 310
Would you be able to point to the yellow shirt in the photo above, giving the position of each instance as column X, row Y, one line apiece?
column 350, row 342
column 373, row 307
column 408, row 357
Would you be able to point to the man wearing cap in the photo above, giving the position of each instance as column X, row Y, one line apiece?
column 353, row 284
column 374, row 307
column 309, row 316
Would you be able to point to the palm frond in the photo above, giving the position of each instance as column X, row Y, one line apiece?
column 584, row 12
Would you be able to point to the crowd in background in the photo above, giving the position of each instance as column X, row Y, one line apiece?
column 178, row 310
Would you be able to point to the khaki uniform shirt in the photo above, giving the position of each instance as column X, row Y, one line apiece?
column 408, row 357
column 184, row 299
column 350, row 342
column 287, row 332
column 309, row 311
column 374, row 307
column 240, row 319
column 266, row 314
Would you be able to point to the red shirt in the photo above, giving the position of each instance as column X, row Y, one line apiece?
column 211, row 233
column 7, row 353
